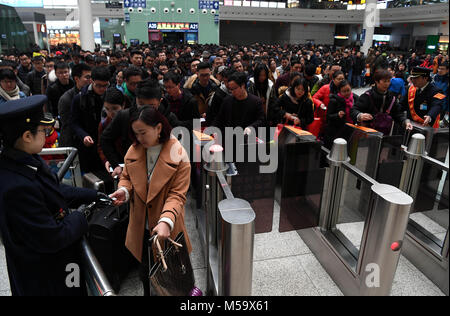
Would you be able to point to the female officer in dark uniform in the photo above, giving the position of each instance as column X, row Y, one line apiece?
column 41, row 238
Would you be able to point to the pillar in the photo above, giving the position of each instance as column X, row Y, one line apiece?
column 371, row 20
column 86, row 26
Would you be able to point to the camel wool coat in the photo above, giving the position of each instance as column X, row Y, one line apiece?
column 165, row 196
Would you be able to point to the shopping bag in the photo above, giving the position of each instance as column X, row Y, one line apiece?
column 172, row 273
column 317, row 126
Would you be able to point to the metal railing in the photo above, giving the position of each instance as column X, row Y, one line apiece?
column 95, row 277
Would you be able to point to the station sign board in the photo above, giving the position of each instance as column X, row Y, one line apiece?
column 173, row 26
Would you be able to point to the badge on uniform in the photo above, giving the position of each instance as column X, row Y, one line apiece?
column 439, row 96
column 423, row 107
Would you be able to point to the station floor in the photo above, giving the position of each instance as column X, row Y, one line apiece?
column 283, row 264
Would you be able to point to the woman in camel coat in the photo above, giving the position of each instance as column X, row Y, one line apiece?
column 155, row 181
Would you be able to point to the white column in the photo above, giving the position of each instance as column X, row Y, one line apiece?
column 86, row 26
column 371, row 20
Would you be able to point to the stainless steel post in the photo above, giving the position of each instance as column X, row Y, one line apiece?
column 214, row 166
column 96, row 279
column 236, row 247
column 334, row 179
column 383, row 239
column 410, row 180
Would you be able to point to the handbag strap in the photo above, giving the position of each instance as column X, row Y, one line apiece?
column 390, row 106
column 161, row 252
column 373, row 105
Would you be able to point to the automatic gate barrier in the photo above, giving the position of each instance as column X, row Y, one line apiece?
column 370, row 269
column 226, row 229
column 427, row 238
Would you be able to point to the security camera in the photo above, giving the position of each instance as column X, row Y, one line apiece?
column 130, row 10
column 140, row 10
column 166, row 10
column 213, row 11
column 204, row 11
column 179, row 10
column 192, row 11
column 153, row 10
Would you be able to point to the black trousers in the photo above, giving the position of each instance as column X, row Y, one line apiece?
column 144, row 268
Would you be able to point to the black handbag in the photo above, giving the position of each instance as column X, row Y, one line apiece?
column 172, row 273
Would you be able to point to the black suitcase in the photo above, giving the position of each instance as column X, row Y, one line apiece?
column 107, row 233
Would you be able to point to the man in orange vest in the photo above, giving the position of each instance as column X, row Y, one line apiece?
column 424, row 100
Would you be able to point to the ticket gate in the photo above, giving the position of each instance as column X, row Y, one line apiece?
column 420, row 170
column 321, row 192
column 226, row 228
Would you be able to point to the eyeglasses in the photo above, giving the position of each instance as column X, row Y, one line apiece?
column 100, row 86
column 47, row 131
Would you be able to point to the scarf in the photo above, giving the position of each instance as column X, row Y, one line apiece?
column 348, row 106
column 10, row 95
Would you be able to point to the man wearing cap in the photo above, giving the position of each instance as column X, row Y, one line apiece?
column 40, row 234
column 424, row 100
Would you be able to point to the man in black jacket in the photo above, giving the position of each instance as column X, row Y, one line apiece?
column 86, row 116
column 81, row 73
column 25, row 66
column 181, row 102
column 241, row 109
column 148, row 92
column 57, row 89
column 358, row 67
column 34, row 77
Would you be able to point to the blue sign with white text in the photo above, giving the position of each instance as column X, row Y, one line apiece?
column 135, row 3
column 208, row 5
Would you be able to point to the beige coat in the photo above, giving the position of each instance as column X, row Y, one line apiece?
column 165, row 197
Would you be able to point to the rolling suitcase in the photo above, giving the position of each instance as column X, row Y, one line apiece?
column 107, row 233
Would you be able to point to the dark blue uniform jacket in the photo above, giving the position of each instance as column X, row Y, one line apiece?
column 39, row 246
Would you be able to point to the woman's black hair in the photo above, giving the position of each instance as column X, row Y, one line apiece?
column 342, row 84
column 381, row 74
column 151, row 117
column 337, row 73
column 261, row 87
column 299, row 82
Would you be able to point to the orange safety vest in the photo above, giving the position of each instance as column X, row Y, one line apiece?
column 411, row 95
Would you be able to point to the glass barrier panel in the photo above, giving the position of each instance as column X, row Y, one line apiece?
column 352, row 213
column 301, row 185
column 439, row 145
column 253, row 184
column 430, row 213
column 363, row 150
column 390, row 163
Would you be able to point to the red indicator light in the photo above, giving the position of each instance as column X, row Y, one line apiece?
column 396, row 245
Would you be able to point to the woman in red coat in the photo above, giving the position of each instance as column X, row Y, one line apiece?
column 321, row 99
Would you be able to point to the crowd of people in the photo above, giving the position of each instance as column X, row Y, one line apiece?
column 118, row 109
